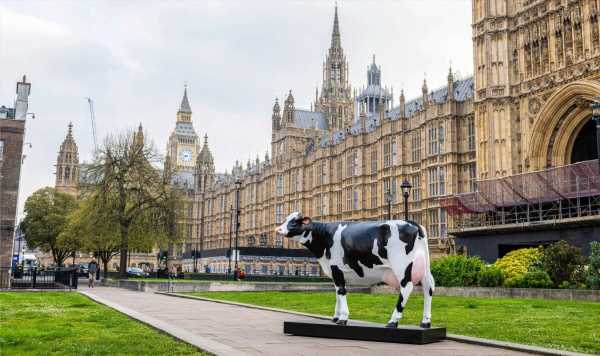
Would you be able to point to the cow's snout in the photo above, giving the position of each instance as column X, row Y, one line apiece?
column 280, row 230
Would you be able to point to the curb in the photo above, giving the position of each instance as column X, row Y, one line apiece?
column 197, row 341
column 459, row 338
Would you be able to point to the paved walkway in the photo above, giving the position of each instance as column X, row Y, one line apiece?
column 229, row 330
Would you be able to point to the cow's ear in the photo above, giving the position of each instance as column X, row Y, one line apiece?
column 306, row 220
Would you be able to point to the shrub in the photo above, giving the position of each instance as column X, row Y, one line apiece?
column 531, row 279
column 564, row 263
column 516, row 263
column 456, row 271
column 593, row 271
column 490, row 276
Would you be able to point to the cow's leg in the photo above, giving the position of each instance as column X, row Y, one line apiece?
column 336, row 313
column 428, row 287
column 340, row 289
column 403, row 273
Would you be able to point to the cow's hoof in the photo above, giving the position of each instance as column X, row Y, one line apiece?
column 425, row 325
column 342, row 322
column 335, row 320
column 392, row 325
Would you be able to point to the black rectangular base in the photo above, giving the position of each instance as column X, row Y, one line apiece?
column 364, row 331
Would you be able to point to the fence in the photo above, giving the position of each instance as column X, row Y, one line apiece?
column 32, row 278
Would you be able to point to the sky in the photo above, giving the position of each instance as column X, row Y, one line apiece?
column 134, row 57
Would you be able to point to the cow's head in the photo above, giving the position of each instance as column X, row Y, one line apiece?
column 296, row 227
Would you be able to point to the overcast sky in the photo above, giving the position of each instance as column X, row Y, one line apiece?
column 134, row 57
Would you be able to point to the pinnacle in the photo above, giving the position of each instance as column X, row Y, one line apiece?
column 185, row 104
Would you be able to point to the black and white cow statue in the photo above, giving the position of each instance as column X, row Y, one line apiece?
column 367, row 253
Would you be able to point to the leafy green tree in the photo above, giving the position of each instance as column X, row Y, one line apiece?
column 46, row 212
column 130, row 186
column 593, row 272
column 564, row 263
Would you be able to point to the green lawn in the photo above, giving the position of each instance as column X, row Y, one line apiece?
column 567, row 325
column 64, row 323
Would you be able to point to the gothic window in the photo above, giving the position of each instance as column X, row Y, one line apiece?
column 416, row 187
column 374, row 160
column 433, row 220
column 472, row 177
column 442, row 180
column 441, row 138
column 373, row 195
column 67, row 174
column 394, row 152
column 416, row 147
column 279, row 213
column 335, row 71
column 348, row 192
column 349, row 165
column 355, row 163
column 279, row 185
column 471, row 134
column 433, row 144
column 59, row 174
column 386, row 154
column 355, row 199
column 339, row 169
column 339, row 201
column 433, row 181
column 1, row 149
column 263, row 241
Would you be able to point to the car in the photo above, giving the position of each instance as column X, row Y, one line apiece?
column 136, row 272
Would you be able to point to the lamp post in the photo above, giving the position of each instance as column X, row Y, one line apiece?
column 405, row 186
column 238, row 185
column 388, row 198
column 596, row 116
column 230, row 235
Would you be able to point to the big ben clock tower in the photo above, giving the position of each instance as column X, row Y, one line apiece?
column 182, row 148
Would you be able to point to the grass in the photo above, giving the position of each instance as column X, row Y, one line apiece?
column 566, row 325
column 179, row 280
column 63, row 323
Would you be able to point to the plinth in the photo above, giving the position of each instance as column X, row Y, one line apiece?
column 405, row 334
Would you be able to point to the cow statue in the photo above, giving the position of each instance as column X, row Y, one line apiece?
column 367, row 253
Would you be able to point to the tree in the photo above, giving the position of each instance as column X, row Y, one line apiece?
column 46, row 212
column 93, row 230
column 136, row 193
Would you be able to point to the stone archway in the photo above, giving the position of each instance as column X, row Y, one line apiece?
column 559, row 124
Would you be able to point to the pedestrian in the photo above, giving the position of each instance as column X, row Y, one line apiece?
column 92, row 270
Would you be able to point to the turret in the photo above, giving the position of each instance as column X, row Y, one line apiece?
column 424, row 91
column 205, row 167
column 288, row 108
column 450, row 85
column 67, row 165
column 402, row 104
column 276, row 117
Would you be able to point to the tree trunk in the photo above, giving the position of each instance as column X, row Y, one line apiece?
column 123, row 252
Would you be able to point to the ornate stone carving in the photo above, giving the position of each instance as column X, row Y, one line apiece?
column 534, row 106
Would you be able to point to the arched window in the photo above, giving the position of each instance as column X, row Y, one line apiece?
column 67, row 174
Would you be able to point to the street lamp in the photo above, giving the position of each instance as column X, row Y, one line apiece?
column 389, row 198
column 238, row 185
column 596, row 116
column 405, row 186
column 230, row 235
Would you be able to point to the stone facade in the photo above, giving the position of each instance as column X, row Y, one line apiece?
column 344, row 159
column 67, row 165
column 536, row 70
column 12, row 132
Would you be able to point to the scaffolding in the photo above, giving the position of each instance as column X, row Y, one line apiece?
column 550, row 195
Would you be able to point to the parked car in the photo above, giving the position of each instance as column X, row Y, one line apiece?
column 136, row 272
column 82, row 269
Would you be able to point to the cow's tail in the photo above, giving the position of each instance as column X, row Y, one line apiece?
column 427, row 276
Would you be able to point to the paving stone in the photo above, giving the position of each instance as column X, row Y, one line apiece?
column 260, row 332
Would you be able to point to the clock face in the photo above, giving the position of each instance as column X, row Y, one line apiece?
column 185, row 155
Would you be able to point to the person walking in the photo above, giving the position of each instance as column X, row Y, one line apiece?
column 92, row 270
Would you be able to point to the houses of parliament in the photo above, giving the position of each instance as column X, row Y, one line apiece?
column 536, row 67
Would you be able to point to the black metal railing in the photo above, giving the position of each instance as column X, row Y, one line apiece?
column 34, row 278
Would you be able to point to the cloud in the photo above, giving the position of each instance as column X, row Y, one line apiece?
column 133, row 58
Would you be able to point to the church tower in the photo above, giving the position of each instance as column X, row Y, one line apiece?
column 336, row 95
column 205, row 168
column 182, row 148
column 67, row 165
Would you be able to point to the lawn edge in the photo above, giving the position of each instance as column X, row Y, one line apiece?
column 454, row 337
column 199, row 342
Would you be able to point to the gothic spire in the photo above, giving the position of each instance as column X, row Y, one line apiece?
column 335, row 35
column 185, row 104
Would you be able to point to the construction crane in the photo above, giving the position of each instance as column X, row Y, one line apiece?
column 93, row 119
